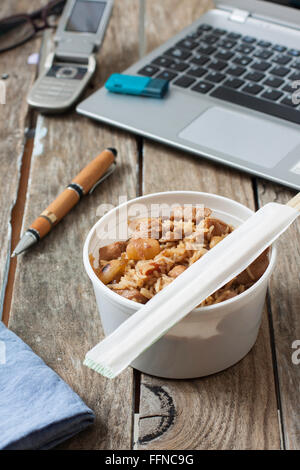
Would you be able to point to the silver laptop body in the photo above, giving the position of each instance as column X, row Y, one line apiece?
column 224, row 130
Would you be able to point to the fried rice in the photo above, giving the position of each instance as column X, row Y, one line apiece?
column 160, row 249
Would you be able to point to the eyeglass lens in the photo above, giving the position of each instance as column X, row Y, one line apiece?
column 14, row 31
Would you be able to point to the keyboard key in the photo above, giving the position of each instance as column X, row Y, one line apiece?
column 296, row 64
column 234, row 35
column 294, row 52
column 294, row 76
column 226, row 44
column 210, row 39
column 215, row 77
column 279, row 71
column 234, row 82
column 197, row 71
column 264, row 44
column 219, row 31
column 244, row 49
column 217, row 65
column 249, row 39
column 200, row 59
column 205, row 27
column 242, row 60
column 274, row 82
column 261, row 65
column 263, row 54
column 193, row 56
column 167, row 75
column 162, row 61
column 178, row 53
column 178, row 66
column 272, row 94
column 149, row 70
column 254, row 76
column 206, row 49
column 252, row 88
column 203, row 87
column 187, row 44
column 290, row 101
column 194, row 35
column 279, row 48
column 236, row 70
column 289, row 88
column 184, row 81
column 281, row 59
column 224, row 55
column 253, row 102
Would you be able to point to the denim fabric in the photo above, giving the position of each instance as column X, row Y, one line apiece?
column 38, row 410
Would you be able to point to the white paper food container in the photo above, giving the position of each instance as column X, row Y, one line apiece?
column 209, row 339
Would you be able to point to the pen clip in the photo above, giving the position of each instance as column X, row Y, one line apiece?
column 106, row 175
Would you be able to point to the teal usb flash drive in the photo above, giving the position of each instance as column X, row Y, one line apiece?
column 137, row 85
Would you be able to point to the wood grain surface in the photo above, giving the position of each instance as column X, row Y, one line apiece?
column 53, row 306
column 285, row 307
column 13, row 120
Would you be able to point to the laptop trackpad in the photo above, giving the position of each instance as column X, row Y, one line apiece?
column 247, row 138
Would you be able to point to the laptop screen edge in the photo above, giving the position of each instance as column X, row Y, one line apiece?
column 267, row 10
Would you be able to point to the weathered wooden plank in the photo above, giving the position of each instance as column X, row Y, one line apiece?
column 162, row 22
column 285, row 307
column 235, row 409
column 53, row 307
column 12, row 125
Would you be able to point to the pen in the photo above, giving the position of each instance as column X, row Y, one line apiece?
column 84, row 183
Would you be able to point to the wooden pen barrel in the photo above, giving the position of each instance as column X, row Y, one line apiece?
column 80, row 186
column 93, row 172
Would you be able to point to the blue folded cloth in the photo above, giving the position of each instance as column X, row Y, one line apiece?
column 38, row 410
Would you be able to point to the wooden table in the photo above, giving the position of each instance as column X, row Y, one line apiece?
column 48, row 299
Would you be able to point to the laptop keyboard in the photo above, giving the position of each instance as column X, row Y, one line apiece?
column 243, row 70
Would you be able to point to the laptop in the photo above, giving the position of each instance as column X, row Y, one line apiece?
column 234, row 92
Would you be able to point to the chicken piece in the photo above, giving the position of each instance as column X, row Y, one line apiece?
column 219, row 228
column 176, row 271
column 255, row 270
column 112, row 251
column 215, row 228
column 132, row 294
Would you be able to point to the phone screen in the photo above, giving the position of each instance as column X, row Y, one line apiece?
column 85, row 16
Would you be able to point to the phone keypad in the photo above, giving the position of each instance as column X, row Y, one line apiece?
column 67, row 72
column 60, row 86
column 53, row 89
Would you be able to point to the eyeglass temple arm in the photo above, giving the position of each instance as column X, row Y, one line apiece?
column 54, row 8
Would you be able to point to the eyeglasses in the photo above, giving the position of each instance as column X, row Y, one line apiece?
column 18, row 29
